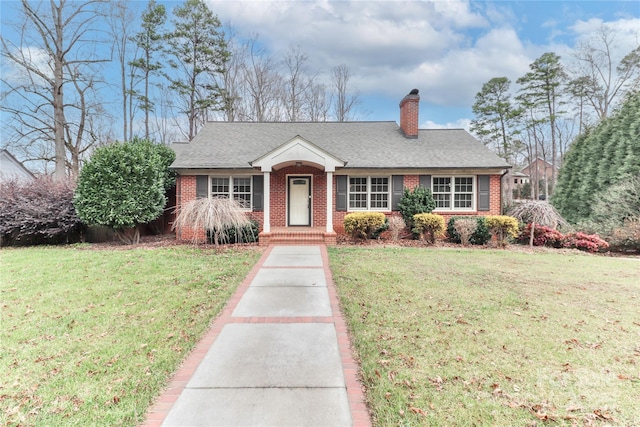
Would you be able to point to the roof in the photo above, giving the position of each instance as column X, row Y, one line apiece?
column 11, row 168
column 359, row 144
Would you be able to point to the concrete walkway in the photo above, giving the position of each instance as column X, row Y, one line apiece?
column 278, row 355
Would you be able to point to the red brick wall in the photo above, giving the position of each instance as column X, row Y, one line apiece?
column 411, row 181
column 279, row 192
column 186, row 191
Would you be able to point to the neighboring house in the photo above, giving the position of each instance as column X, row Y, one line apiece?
column 520, row 178
column 540, row 173
column 11, row 169
column 299, row 180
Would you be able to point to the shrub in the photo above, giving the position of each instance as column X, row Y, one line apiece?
column 465, row 227
column 416, row 201
column 231, row 235
column 429, row 226
column 38, row 212
column 480, row 236
column 364, row 224
column 395, row 224
column 219, row 215
column 123, row 186
column 585, row 242
column 542, row 236
column 626, row 237
column 503, row 226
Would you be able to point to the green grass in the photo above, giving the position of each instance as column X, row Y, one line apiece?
column 462, row 337
column 90, row 337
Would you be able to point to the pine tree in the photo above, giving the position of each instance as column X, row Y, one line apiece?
column 150, row 41
column 599, row 160
column 199, row 52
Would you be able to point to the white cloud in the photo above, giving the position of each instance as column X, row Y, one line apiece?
column 458, row 124
column 37, row 58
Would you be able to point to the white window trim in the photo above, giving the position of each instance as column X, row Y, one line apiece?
column 474, row 194
column 368, row 208
column 230, row 194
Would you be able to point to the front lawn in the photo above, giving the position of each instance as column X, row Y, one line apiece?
column 461, row 337
column 90, row 337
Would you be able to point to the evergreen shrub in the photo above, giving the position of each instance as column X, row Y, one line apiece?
column 429, row 226
column 364, row 225
column 503, row 227
column 480, row 236
column 585, row 242
column 416, row 201
column 232, row 235
column 542, row 236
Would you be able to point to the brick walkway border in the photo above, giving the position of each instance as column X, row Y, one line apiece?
column 359, row 411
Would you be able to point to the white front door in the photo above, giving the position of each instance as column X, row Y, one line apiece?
column 299, row 201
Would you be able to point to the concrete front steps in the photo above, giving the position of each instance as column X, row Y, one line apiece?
column 297, row 236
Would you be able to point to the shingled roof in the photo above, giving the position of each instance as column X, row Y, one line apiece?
column 231, row 145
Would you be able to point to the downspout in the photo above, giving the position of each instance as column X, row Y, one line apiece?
column 506, row 171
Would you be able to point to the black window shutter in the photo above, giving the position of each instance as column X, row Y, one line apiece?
column 258, row 192
column 425, row 181
column 341, row 193
column 483, row 193
column 397, row 190
column 202, row 186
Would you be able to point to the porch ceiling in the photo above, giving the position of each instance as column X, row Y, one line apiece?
column 298, row 150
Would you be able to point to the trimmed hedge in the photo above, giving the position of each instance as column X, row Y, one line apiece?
column 503, row 226
column 428, row 225
column 480, row 237
column 365, row 225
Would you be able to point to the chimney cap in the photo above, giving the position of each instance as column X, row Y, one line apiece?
column 414, row 92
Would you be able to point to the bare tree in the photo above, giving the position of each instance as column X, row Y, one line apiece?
column 53, row 54
column 602, row 82
column 263, row 85
column 317, row 103
column 344, row 99
column 297, row 84
column 121, row 21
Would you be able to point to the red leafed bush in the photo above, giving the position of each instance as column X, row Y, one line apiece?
column 542, row 236
column 40, row 211
column 585, row 242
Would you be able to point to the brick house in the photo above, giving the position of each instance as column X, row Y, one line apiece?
column 299, row 180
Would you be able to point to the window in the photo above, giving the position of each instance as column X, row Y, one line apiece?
column 369, row 193
column 453, row 193
column 237, row 187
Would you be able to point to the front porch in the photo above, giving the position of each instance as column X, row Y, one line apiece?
column 297, row 236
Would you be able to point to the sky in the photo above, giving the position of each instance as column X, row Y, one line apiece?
column 446, row 49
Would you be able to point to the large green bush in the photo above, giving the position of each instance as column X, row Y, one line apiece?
column 122, row 186
column 364, row 225
column 479, row 237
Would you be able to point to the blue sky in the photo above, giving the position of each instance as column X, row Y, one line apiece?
column 447, row 49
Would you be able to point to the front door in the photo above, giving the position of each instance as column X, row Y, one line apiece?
column 299, row 200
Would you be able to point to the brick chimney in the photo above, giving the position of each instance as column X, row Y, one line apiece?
column 409, row 107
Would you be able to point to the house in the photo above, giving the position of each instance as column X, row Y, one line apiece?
column 539, row 168
column 299, row 180
column 540, row 173
column 11, row 169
